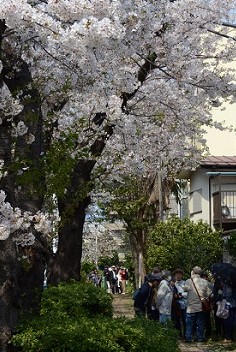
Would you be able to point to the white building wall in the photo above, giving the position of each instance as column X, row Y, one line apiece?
column 199, row 183
column 222, row 142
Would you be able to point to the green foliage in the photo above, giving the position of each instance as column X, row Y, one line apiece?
column 73, row 300
column 60, row 164
column 87, row 267
column 130, row 203
column 63, row 174
column 109, row 261
column 70, row 320
column 29, row 174
column 183, row 244
column 230, row 244
column 98, row 334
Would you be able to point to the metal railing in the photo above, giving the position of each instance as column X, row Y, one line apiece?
column 224, row 206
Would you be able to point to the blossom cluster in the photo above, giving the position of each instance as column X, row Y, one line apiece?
column 14, row 221
column 97, row 57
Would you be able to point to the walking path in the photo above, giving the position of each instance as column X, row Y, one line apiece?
column 123, row 306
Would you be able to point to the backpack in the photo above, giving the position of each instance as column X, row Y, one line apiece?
column 136, row 294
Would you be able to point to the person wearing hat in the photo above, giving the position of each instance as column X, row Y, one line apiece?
column 144, row 293
column 164, row 297
column 197, row 289
column 152, row 311
column 180, row 302
column 155, row 271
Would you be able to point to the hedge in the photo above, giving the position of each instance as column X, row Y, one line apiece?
column 76, row 317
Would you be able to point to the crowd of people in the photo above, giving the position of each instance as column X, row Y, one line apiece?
column 113, row 279
column 191, row 305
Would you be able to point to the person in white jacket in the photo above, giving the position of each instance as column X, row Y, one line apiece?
column 164, row 297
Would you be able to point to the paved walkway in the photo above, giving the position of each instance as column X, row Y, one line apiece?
column 123, row 306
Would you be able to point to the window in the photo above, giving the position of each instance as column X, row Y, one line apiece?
column 196, row 201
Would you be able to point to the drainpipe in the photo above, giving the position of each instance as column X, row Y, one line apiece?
column 220, row 211
column 210, row 200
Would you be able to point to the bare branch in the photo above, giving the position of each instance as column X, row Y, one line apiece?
column 53, row 57
column 230, row 25
column 220, row 34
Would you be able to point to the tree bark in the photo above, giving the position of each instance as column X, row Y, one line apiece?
column 18, row 283
column 9, row 292
column 72, row 208
column 137, row 250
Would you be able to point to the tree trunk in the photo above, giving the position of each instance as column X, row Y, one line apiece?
column 29, row 196
column 72, row 209
column 66, row 263
column 9, row 292
column 19, row 283
column 137, row 250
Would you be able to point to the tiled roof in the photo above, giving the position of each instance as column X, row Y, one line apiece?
column 219, row 161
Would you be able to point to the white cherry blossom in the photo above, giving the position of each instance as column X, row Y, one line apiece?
column 91, row 53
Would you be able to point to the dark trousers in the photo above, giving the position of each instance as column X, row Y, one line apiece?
column 179, row 320
column 152, row 314
column 113, row 286
column 195, row 320
column 219, row 325
column 229, row 324
column 208, row 327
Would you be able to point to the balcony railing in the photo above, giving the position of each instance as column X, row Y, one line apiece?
column 224, row 210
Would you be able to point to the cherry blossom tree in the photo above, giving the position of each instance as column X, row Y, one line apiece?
column 102, row 239
column 89, row 84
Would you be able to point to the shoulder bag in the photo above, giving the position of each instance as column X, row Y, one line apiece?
column 206, row 303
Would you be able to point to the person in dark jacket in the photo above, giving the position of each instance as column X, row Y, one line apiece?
column 143, row 296
column 152, row 311
column 229, row 293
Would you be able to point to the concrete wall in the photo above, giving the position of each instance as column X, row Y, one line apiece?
column 199, row 182
column 222, row 142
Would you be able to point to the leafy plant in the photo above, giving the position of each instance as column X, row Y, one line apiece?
column 230, row 244
column 183, row 244
column 109, row 261
column 77, row 317
column 74, row 300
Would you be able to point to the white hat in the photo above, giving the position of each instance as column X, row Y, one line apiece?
column 197, row 270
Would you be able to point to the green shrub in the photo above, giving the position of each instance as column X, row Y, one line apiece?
column 75, row 299
column 178, row 243
column 230, row 244
column 66, row 324
column 100, row 334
